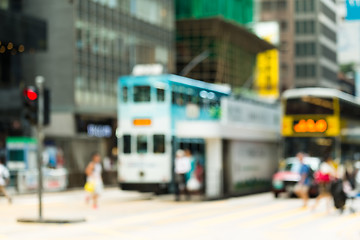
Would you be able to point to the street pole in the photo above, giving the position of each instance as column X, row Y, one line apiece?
column 39, row 80
column 40, row 137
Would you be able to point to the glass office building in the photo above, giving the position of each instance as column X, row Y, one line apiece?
column 91, row 43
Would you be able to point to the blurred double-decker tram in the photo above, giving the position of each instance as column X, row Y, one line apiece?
column 159, row 114
column 321, row 122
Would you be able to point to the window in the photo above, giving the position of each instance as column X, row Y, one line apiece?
column 160, row 95
column 297, row 6
column 266, row 5
column 125, row 94
column 284, row 26
column 159, row 143
column 310, row 6
column 141, row 94
column 305, row 70
column 141, row 144
column 178, row 98
column 282, row 4
column 126, row 144
column 305, row 49
column 309, row 105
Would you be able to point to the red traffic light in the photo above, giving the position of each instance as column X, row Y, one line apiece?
column 30, row 94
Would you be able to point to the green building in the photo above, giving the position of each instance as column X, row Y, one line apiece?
column 240, row 11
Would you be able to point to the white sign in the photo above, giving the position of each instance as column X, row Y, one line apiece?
column 148, row 69
column 269, row 31
column 251, row 161
column 99, row 130
column 264, row 116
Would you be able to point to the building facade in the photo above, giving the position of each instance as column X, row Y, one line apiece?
column 229, row 51
column 308, row 41
column 21, row 36
column 90, row 44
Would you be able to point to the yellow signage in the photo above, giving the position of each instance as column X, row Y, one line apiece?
column 267, row 73
column 329, row 126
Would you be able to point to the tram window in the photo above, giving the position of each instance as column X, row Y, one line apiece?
column 173, row 97
column 127, row 144
column 142, row 94
column 180, row 99
column 177, row 98
column 124, row 94
column 159, row 143
column 160, row 95
column 309, row 105
column 142, row 144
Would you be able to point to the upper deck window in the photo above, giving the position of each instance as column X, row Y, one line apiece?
column 141, row 93
column 124, row 94
column 160, row 95
column 309, row 105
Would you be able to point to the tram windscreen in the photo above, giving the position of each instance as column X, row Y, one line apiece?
column 309, row 105
column 313, row 146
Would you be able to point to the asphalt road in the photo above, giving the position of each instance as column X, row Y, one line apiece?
column 135, row 216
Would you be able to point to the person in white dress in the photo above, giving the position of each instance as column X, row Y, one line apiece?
column 93, row 172
column 4, row 178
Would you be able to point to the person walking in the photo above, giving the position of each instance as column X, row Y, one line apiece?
column 4, row 179
column 324, row 176
column 94, row 180
column 302, row 187
column 182, row 167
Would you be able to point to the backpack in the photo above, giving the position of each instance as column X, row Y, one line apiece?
column 311, row 173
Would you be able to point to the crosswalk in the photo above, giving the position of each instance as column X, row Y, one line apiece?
column 252, row 217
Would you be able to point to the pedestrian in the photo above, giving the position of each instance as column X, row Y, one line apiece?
column 302, row 187
column 324, row 176
column 192, row 162
column 182, row 167
column 94, row 182
column 4, row 179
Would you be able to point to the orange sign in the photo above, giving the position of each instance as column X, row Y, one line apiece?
column 310, row 125
column 142, row 122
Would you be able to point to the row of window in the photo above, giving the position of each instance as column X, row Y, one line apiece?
column 328, row 32
column 304, row 6
column 157, row 12
column 305, row 27
column 305, row 70
column 303, row 49
column 270, row 5
column 142, row 143
column 328, row 73
column 328, row 53
column 328, row 12
column 143, row 94
column 180, row 96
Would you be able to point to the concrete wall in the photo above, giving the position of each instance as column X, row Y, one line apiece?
column 56, row 64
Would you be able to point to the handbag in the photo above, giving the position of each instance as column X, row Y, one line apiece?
column 193, row 184
column 321, row 177
column 89, row 187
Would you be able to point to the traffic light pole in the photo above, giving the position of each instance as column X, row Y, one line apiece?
column 41, row 121
column 40, row 138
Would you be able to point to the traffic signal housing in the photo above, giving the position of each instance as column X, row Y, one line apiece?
column 31, row 104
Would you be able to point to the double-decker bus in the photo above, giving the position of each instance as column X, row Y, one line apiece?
column 148, row 109
column 321, row 121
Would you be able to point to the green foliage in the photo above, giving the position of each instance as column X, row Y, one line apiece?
column 347, row 68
